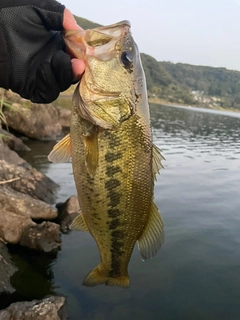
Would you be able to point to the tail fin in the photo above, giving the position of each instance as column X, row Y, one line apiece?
column 98, row 276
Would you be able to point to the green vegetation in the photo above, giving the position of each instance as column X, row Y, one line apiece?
column 3, row 103
column 189, row 84
column 161, row 84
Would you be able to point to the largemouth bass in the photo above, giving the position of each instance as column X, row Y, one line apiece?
column 114, row 159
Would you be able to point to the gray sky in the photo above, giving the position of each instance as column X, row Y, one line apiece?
column 204, row 32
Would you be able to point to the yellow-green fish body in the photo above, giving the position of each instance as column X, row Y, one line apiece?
column 113, row 157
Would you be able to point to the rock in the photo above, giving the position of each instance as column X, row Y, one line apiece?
column 11, row 96
column 13, row 142
column 51, row 308
column 67, row 211
column 12, row 226
column 29, row 181
column 11, row 156
column 7, row 269
column 17, row 226
column 38, row 121
column 43, row 237
column 24, row 205
column 64, row 116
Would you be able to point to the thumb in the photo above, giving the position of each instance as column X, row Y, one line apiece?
column 69, row 22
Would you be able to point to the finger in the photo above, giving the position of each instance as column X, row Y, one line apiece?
column 78, row 67
column 69, row 23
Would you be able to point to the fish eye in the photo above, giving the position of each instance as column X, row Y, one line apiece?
column 127, row 60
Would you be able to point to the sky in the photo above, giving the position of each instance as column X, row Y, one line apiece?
column 204, row 32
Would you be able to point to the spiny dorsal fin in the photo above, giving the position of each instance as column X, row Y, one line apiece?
column 156, row 160
column 152, row 237
column 61, row 152
column 91, row 151
column 79, row 223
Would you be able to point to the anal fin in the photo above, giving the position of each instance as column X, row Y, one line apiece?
column 152, row 237
column 79, row 223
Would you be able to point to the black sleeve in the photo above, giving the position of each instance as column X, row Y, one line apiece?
column 33, row 62
column 3, row 62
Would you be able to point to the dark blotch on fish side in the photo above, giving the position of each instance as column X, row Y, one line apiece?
column 113, row 213
column 116, row 250
column 114, row 142
column 114, row 198
column 117, row 234
column 114, row 223
column 111, row 170
column 112, row 183
column 110, row 156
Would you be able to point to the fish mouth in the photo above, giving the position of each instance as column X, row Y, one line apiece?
column 98, row 42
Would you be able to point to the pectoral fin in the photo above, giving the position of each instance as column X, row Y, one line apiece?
column 91, row 151
column 79, row 223
column 61, row 152
column 156, row 161
column 152, row 237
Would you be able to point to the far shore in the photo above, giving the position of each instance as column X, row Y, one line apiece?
column 175, row 104
column 67, row 94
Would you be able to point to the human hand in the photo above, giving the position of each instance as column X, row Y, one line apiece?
column 33, row 61
column 69, row 23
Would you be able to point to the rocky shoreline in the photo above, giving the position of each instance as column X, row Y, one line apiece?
column 28, row 218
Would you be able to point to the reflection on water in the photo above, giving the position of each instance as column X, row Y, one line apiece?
column 196, row 274
column 34, row 278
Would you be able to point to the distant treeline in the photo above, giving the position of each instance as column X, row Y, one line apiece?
column 185, row 83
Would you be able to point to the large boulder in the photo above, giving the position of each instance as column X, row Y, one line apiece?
column 24, row 205
column 7, row 269
column 11, row 156
column 38, row 121
column 18, row 216
column 13, row 142
column 51, row 308
column 67, row 211
column 28, row 181
column 43, row 237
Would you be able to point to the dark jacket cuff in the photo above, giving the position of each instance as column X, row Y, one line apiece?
column 3, row 63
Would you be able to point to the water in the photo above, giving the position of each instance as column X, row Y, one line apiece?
column 196, row 275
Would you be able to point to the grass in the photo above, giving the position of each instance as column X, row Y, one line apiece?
column 3, row 104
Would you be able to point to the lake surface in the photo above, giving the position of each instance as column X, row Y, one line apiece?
column 196, row 275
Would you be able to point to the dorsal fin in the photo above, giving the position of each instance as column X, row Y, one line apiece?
column 61, row 152
column 152, row 237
